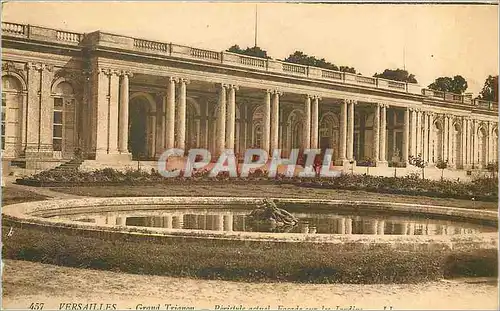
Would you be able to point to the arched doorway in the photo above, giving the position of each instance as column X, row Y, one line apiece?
column 295, row 130
column 12, row 104
column 437, row 142
column 257, row 119
column 329, row 133
column 142, row 126
column 192, row 124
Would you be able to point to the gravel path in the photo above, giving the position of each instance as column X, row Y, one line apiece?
column 54, row 285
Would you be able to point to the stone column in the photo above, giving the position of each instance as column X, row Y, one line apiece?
column 181, row 138
column 231, row 117
column 413, row 136
column 170, row 115
column 113, row 112
column 100, row 96
column 445, row 138
column 425, row 153
column 406, row 134
column 46, row 111
column 275, row 120
column 266, row 126
column 383, row 135
column 228, row 222
column 350, row 132
column 160, row 98
column 475, row 145
column 307, row 123
column 463, row 145
column 314, row 122
column 431, row 136
column 343, row 134
column 221, row 119
column 419, row 133
column 123, row 118
column 488, row 142
column 341, row 225
column 33, row 109
column 381, row 227
column 466, row 145
column 376, row 134
column 348, row 225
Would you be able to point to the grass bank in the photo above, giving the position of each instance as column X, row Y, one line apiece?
column 246, row 261
column 11, row 195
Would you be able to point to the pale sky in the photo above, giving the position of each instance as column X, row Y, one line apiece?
column 439, row 40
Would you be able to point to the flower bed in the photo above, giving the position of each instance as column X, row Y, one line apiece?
column 483, row 189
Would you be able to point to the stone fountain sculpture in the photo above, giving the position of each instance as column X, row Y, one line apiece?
column 277, row 219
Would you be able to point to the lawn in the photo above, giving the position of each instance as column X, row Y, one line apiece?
column 11, row 195
column 266, row 190
column 247, row 261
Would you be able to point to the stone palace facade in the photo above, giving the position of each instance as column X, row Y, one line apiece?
column 114, row 99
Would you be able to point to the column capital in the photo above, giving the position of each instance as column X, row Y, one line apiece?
column 39, row 66
column 382, row 105
column 278, row 92
column 173, row 79
column 318, row 97
column 184, row 80
column 107, row 71
column 233, row 86
column 350, row 101
column 126, row 73
column 115, row 72
column 222, row 85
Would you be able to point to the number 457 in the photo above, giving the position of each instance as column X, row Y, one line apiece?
column 36, row 306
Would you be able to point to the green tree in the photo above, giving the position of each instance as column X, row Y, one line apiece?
column 299, row 57
column 490, row 89
column 440, row 164
column 418, row 162
column 397, row 75
column 457, row 84
column 250, row 51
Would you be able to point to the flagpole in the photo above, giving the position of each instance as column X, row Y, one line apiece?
column 255, row 42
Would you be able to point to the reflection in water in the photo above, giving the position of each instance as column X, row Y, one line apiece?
column 309, row 223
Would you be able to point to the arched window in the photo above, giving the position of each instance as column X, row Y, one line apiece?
column 12, row 99
column 64, row 134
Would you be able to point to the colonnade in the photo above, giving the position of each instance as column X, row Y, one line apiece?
column 460, row 140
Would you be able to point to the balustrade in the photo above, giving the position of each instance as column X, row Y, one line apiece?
column 329, row 74
column 294, row 68
column 366, row 80
column 13, row 28
column 200, row 53
column 68, row 36
column 151, row 45
column 396, row 85
column 251, row 61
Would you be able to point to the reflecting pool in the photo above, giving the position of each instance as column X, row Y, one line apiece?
column 311, row 221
